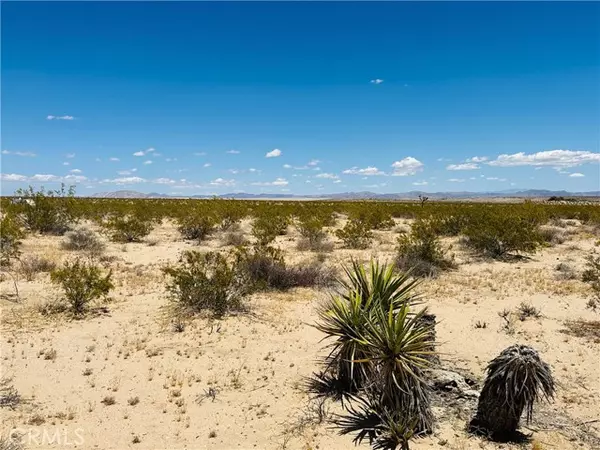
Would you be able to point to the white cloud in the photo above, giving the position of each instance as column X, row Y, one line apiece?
column 287, row 166
column 273, row 153
column 407, row 166
column 75, row 170
column 234, row 171
column 233, row 152
column 206, row 165
column 463, row 166
column 125, row 180
column 145, row 152
column 444, row 159
column 337, row 181
column 376, row 81
column 252, row 169
column 44, row 178
column 13, row 177
column 70, row 155
column 577, row 175
column 126, row 172
column 170, row 159
column 556, row 158
column 313, row 162
column 420, row 183
column 50, row 117
column 277, row 182
column 495, row 179
column 456, row 180
column 222, row 182
column 376, row 186
column 66, row 163
column 370, row 170
column 147, row 162
column 329, row 176
column 28, row 154
column 163, row 181
column 114, row 159
column 477, row 159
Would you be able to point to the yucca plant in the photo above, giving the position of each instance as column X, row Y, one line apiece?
column 371, row 419
column 345, row 316
column 398, row 345
column 516, row 379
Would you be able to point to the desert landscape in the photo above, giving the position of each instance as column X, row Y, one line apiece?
column 136, row 369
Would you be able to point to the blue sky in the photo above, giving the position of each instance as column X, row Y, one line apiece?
column 305, row 98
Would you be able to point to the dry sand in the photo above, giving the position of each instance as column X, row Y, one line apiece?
column 254, row 364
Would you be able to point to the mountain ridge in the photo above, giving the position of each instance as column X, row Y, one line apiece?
column 362, row 195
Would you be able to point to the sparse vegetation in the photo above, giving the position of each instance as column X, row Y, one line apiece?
column 84, row 240
column 205, row 282
column 48, row 212
column 30, row 265
column 355, row 234
column 591, row 275
column 420, row 251
column 128, row 228
column 196, row 225
column 527, row 310
column 82, row 283
column 10, row 240
column 265, row 228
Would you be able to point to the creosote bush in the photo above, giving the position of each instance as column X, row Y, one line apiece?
column 355, row 234
column 498, row 234
column 84, row 240
column 128, row 228
column 266, row 228
column 10, row 240
column 265, row 268
column 591, row 275
column 234, row 238
column 82, row 282
column 420, row 251
column 48, row 212
column 196, row 226
column 205, row 282
column 314, row 237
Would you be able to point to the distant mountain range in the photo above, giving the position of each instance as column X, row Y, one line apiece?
column 529, row 193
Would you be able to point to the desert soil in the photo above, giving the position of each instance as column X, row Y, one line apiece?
column 238, row 383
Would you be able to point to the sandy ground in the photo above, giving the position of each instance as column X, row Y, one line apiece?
column 238, row 383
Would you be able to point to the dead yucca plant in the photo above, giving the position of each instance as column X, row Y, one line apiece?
column 516, row 379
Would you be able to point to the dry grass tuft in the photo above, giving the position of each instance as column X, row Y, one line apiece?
column 589, row 329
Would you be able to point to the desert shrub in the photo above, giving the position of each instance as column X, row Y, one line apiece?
column 205, row 282
column 83, row 239
column 196, row 226
column 33, row 264
column 355, row 234
column 234, row 238
column 230, row 218
column 553, row 235
column 128, row 228
column 265, row 268
column 420, row 251
column 82, row 283
column 50, row 212
column 266, row 228
column 375, row 216
column 565, row 272
column 592, row 275
column 449, row 225
column 10, row 240
column 314, row 237
column 498, row 235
